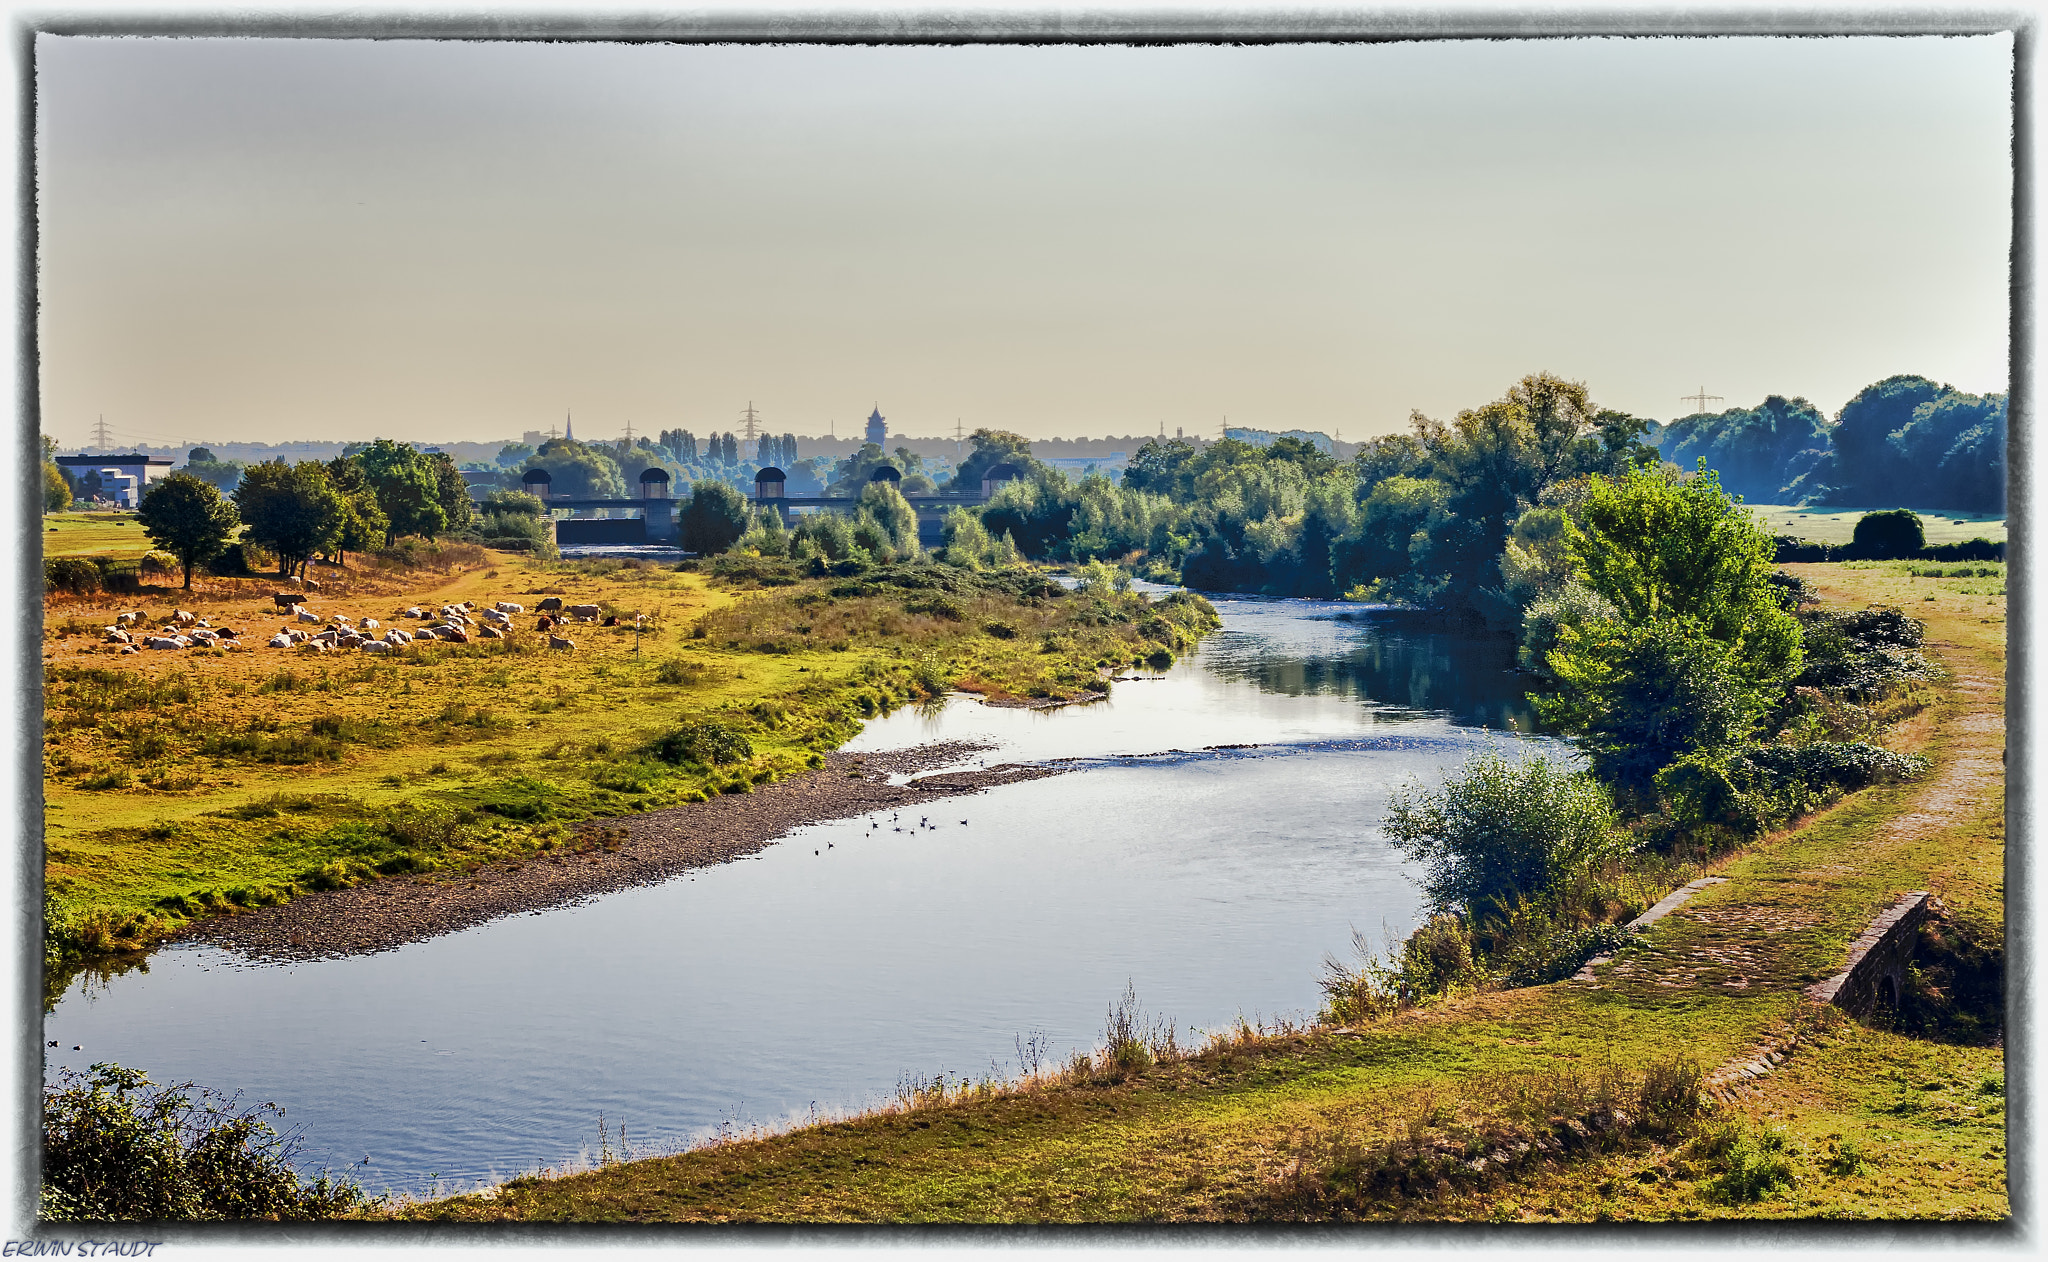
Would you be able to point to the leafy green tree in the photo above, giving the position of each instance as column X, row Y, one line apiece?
column 1498, row 831
column 886, row 505
column 451, row 492
column 1889, row 536
column 580, row 471
column 1637, row 697
column 364, row 524
column 1662, row 546
column 407, row 486
column 189, row 519
column 513, row 455
column 291, row 510
column 715, row 518
column 57, row 495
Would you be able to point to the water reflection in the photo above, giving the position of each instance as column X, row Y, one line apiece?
column 1376, row 656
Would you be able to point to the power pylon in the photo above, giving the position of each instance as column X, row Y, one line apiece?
column 1701, row 399
column 751, row 417
column 102, row 437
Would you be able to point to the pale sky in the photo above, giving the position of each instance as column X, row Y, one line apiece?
column 262, row 240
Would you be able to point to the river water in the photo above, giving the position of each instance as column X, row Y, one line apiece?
column 819, row 973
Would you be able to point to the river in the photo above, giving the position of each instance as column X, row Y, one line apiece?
column 816, row 975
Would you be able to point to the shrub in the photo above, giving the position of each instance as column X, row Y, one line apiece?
column 1573, row 605
column 1753, row 1165
column 1498, row 831
column 118, row 1148
column 1888, row 536
column 708, row 742
column 76, row 575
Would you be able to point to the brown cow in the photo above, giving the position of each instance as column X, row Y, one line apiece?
column 545, row 624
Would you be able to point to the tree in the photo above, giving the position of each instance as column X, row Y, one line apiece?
column 1889, row 536
column 1663, row 546
column 992, row 447
column 57, row 494
column 451, row 492
column 202, row 464
column 364, row 525
column 1500, row 831
column 513, row 455
column 293, row 510
column 407, row 487
column 189, row 519
column 886, row 505
column 714, row 519
column 579, row 471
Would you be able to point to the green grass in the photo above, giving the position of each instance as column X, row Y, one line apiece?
column 93, row 534
column 1838, row 525
column 1220, row 1135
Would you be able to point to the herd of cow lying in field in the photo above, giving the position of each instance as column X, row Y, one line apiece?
column 458, row 624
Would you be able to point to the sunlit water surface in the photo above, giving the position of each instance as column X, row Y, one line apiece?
column 822, row 971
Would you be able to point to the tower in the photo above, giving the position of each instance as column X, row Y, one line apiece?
column 878, row 427
column 569, row 428
column 751, row 418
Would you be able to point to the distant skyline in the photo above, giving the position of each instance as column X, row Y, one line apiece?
column 247, row 240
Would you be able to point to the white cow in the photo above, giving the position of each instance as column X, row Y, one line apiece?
column 314, row 618
column 369, row 624
column 378, row 646
column 506, row 606
column 184, row 617
column 168, row 642
column 396, row 636
column 116, row 635
column 282, row 640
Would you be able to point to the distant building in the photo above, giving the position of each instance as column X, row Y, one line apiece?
column 143, row 470
column 878, row 428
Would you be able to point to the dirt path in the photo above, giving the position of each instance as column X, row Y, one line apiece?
column 636, row 850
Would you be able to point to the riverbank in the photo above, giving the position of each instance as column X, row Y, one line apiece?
column 1869, row 1122
column 608, row 855
column 183, row 787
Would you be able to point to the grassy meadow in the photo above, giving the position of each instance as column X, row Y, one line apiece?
column 1446, row 1111
column 110, row 534
column 1838, row 525
column 187, row 783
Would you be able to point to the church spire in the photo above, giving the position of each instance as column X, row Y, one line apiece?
column 569, row 427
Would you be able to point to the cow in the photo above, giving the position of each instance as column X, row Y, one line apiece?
column 544, row 624
column 506, row 606
column 203, row 637
column 395, row 637
column 116, row 635
column 226, row 633
column 489, row 633
column 130, row 648
column 552, row 604
column 312, row 586
column 379, row 646
column 588, row 612
column 184, row 617
column 454, row 635
column 280, row 641
column 368, row 624
column 410, row 611
column 286, row 600
column 557, row 642
column 127, row 620
column 305, row 616
column 168, row 642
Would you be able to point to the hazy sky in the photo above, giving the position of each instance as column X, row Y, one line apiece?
column 260, row 240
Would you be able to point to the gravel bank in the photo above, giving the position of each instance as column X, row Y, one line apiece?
column 649, row 849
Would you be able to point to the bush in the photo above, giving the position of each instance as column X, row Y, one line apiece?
column 1753, row 1165
column 715, row 518
column 76, row 575
column 1499, row 831
column 708, row 742
column 117, row 1148
column 1862, row 653
column 1574, row 605
column 1888, row 536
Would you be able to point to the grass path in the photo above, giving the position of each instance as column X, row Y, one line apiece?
column 1205, row 1139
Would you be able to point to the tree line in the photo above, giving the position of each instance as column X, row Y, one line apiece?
column 1905, row 441
column 364, row 499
